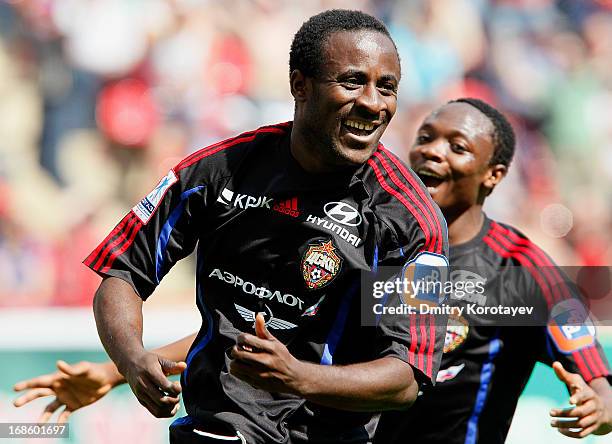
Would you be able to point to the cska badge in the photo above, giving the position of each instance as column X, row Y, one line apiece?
column 320, row 264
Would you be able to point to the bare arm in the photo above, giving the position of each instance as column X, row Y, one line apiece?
column 264, row 362
column 118, row 313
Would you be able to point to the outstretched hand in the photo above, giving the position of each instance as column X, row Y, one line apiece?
column 74, row 386
column 589, row 414
column 265, row 362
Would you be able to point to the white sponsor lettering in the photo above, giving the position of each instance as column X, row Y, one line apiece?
column 261, row 292
column 229, row 198
column 334, row 228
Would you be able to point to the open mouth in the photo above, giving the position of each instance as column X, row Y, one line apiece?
column 429, row 178
column 359, row 128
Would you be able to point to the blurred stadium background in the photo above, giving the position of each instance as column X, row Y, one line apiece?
column 99, row 98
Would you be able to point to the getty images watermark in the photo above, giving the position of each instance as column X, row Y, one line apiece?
column 516, row 296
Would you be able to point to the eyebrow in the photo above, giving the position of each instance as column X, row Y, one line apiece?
column 453, row 133
column 360, row 74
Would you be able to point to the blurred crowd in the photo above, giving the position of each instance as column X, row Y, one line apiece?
column 100, row 98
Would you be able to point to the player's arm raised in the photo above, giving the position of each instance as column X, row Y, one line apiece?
column 592, row 411
column 264, row 362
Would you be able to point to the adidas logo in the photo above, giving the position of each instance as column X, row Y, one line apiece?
column 288, row 206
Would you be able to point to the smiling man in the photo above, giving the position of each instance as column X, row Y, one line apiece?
column 461, row 152
column 281, row 355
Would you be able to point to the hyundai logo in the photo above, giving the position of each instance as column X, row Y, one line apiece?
column 342, row 213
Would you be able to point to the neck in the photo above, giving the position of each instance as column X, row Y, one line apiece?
column 302, row 152
column 465, row 225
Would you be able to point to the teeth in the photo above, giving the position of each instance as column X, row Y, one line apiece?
column 430, row 174
column 359, row 125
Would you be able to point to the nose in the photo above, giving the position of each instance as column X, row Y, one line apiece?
column 434, row 150
column 370, row 100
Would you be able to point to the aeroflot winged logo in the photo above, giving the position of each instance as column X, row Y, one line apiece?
column 320, row 264
column 238, row 200
column 342, row 213
column 271, row 321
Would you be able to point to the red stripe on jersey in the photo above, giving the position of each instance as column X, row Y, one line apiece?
column 115, row 254
column 587, row 353
column 430, row 240
column 594, row 360
column 130, row 219
column 432, row 342
column 543, row 259
column 425, row 197
column 524, row 261
column 423, row 343
column 582, row 367
column 544, row 281
column 117, row 243
column 94, row 254
column 219, row 146
column 601, row 368
column 403, row 200
column 414, row 338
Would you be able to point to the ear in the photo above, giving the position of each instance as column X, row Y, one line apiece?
column 494, row 175
column 299, row 85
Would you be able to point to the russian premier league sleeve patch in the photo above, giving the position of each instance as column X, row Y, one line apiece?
column 570, row 327
column 147, row 206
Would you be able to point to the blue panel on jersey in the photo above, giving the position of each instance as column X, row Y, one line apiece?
column 333, row 338
column 166, row 231
column 485, row 379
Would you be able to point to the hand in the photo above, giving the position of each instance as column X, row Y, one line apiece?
column 590, row 412
column 74, row 386
column 264, row 362
column 146, row 375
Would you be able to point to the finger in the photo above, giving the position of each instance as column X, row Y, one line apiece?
column 254, row 344
column 260, row 327
column 561, row 373
column 171, row 367
column 261, row 360
column 158, row 379
column 63, row 417
column 582, row 396
column 49, row 410
column 576, row 412
column 159, row 411
column 44, row 381
column 157, row 396
column 74, row 370
column 579, row 423
column 32, row 395
column 578, row 434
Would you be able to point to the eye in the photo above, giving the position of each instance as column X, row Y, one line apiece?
column 388, row 88
column 458, row 148
column 351, row 82
column 423, row 138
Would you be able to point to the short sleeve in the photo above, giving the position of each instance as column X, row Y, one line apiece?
column 417, row 336
column 157, row 232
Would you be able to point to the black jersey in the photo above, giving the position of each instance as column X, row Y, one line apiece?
column 485, row 368
column 272, row 238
